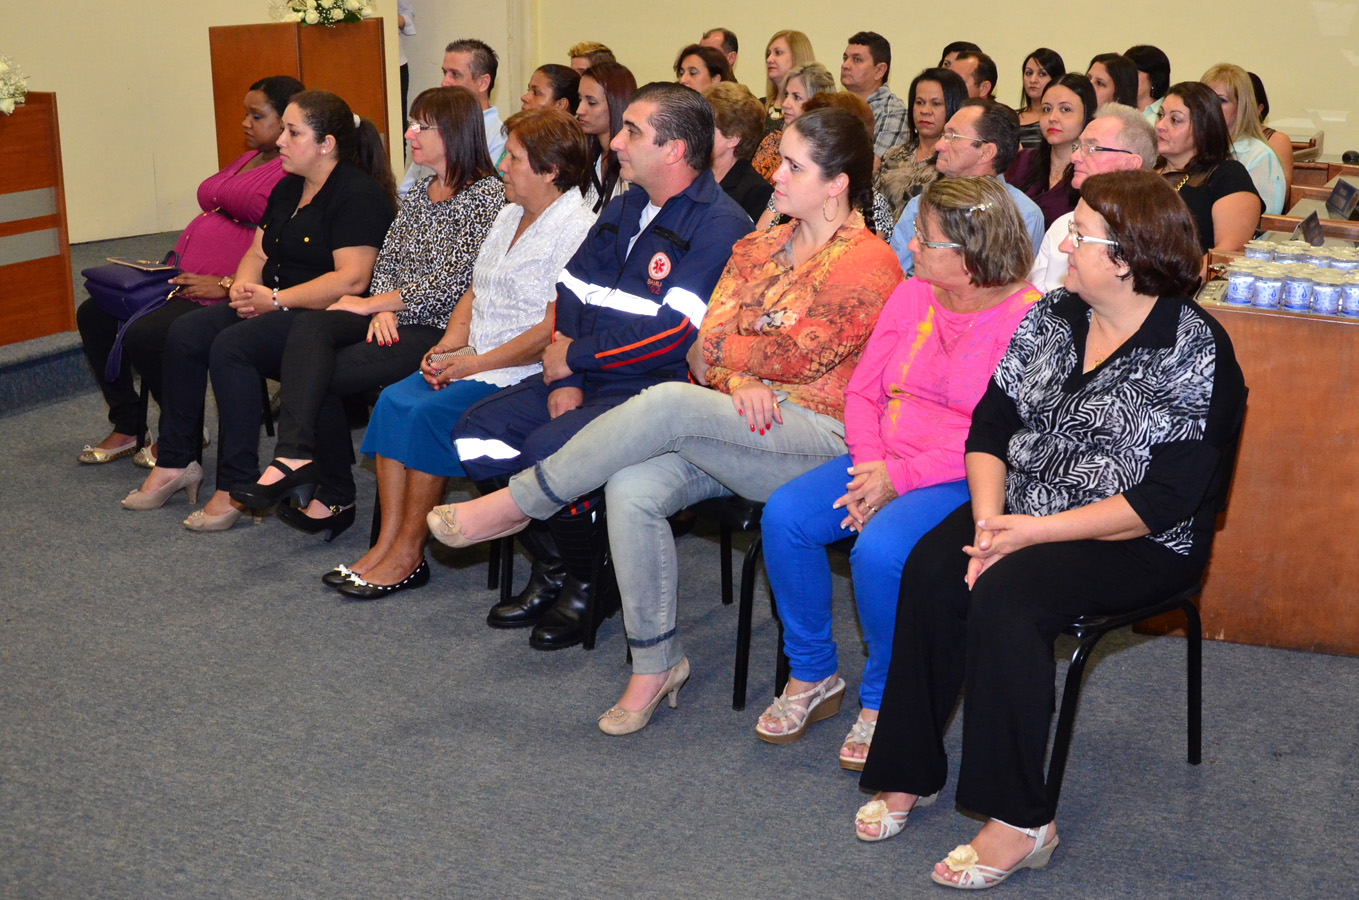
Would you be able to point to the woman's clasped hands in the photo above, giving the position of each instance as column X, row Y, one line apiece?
column 869, row 490
column 999, row 536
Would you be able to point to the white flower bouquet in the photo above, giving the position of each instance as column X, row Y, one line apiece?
column 321, row 12
column 13, row 85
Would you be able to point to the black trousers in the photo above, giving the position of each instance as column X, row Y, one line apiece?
column 143, row 349
column 995, row 643
column 326, row 360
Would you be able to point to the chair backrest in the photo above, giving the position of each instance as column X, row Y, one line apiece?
column 1221, row 483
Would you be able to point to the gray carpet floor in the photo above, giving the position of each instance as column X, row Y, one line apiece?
column 189, row 716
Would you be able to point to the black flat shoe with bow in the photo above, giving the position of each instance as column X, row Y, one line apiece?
column 358, row 589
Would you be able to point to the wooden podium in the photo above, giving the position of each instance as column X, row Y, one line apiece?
column 37, row 297
column 346, row 59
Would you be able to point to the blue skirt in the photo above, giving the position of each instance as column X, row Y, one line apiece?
column 413, row 423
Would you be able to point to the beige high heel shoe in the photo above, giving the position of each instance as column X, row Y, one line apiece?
column 617, row 720
column 187, row 481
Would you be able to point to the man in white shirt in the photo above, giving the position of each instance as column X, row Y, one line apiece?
column 1116, row 140
column 470, row 64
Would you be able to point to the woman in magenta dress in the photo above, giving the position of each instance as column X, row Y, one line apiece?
column 208, row 251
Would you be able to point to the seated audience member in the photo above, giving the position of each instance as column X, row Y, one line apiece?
column 981, row 138
column 587, row 54
column 552, row 85
column 1114, row 78
column 629, row 304
column 495, row 338
column 1153, row 78
column 1117, row 139
column 1240, row 111
column 604, row 93
column 907, row 409
column 866, row 64
column 1044, row 174
column 317, row 242
column 1041, row 68
column 979, row 72
column 1086, row 498
column 1197, row 160
column 470, row 64
column 949, row 55
column 364, row 343
column 783, row 332
column 802, row 84
column 879, row 217
column 934, row 96
column 207, row 253
column 1280, row 143
column 738, row 123
column 723, row 39
column 698, row 67
column 785, row 51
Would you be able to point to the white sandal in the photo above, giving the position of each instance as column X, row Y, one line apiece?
column 889, row 822
column 861, row 733
column 820, row 701
column 974, row 876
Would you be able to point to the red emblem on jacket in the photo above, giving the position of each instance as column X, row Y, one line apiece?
column 659, row 267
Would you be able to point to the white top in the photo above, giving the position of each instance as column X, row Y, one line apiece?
column 648, row 214
column 512, row 286
column 1050, row 265
column 1265, row 170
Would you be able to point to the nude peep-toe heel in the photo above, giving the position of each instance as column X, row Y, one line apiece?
column 617, row 720
column 187, row 481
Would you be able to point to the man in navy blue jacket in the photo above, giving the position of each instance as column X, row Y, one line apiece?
column 628, row 307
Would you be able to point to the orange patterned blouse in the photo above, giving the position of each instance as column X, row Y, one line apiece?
column 798, row 329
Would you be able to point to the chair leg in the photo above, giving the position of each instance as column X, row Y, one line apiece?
column 506, row 568
column 743, row 617
column 266, row 408
column 725, row 558
column 493, row 566
column 143, row 413
column 1071, row 692
column 376, row 528
column 1194, row 651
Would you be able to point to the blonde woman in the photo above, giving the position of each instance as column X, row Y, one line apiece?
column 785, row 51
column 1247, row 136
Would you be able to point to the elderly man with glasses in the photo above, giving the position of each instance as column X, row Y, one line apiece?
column 1117, row 139
column 980, row 139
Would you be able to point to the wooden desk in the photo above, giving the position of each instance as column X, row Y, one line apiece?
column 1285, row 566
column 37, row 297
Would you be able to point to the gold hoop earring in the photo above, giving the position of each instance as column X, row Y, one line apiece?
column 831, row 217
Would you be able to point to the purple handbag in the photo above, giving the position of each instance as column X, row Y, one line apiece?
column 128, row 290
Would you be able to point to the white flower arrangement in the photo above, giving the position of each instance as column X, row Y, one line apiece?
column 321, row 12
column 13, row 85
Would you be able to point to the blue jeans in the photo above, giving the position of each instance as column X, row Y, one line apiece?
column 798, row 523
column 667, row 448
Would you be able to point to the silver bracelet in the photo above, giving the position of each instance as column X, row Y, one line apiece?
column 276, row 303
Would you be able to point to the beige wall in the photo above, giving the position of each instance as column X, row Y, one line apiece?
column 134, row 88
column 1303, row 51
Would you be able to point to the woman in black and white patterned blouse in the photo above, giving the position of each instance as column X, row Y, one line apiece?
column 1091, row 465
column 361, row 344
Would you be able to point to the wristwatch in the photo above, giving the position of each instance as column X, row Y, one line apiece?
column 225, row 283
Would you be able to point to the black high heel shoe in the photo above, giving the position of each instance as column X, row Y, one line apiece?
column 334, row 525
column 300, row 483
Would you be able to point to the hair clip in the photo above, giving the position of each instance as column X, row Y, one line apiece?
column 980, row 207
column 356, row 120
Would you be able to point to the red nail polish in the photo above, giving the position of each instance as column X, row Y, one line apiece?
column 761, row 431
column 752, row 427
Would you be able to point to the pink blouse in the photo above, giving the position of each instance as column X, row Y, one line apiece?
column 909, row 401
column 232, row 202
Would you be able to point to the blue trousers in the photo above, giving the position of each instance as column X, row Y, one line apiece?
column 798, row 523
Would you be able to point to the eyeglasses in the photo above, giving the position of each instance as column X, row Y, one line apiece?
column 1077, row 238
column 417, row 127
column 933, row 245
column 949, row 137
column 1090, row 148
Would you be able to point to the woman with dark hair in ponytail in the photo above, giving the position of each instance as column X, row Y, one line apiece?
column 783, row 331
column 317, row 242
column 604, row 91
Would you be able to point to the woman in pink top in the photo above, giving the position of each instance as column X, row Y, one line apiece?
column 908, row 407
column 207, row 251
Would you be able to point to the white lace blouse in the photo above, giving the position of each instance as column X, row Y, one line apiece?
column 512, row 286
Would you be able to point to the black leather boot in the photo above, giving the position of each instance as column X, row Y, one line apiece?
column 589, row 595
column 544, row 584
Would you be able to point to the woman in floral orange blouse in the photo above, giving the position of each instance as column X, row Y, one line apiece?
column 784, row 329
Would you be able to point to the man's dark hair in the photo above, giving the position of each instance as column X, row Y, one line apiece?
column 1155, row 63
column 484, row 59
column 729, row 42
column 878, row 48
column 681, row 114
column 999, row 125
column 986, row 68
column 956, row 47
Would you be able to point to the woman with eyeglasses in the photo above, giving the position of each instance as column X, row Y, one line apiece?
column 1044, row 173
column 907, row 410
column 1095, row 474
column 934, row 96
column 1196, row 159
